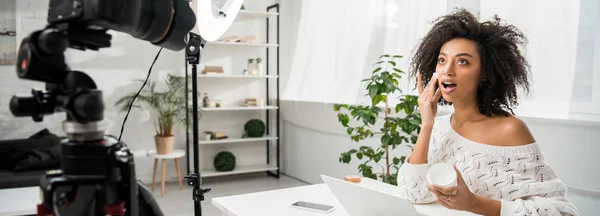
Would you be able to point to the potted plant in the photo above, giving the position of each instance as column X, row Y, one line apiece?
column 224, row 161
column 254, row 128
column 167, row 108
column 400, row 125
column 208, row 135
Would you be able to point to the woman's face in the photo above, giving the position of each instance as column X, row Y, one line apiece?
column 458, row 70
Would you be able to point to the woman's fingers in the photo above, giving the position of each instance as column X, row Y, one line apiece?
column 445, row 203
column 445, row 190
column 438, row 94
column 431, row 87
column 435, row 192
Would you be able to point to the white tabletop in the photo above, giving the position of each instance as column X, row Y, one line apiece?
column 19, row 201
column 278, row 202
column 177, row 153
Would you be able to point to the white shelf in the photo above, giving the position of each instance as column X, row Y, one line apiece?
column 245, row 15
column 234, row 76
column 238, row 170
column 235, row 140
column 238, row 108
column 241, row 44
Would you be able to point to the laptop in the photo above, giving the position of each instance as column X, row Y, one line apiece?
column 369, row 198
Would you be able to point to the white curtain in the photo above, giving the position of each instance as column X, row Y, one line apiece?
column 563, row 46
column 338, row 41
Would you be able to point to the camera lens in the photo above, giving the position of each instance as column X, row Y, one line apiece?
column 183, row 21
column 162, row 22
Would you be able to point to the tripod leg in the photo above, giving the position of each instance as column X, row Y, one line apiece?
column 154, row 173
column 147, row 203
column 164, row 171
column 178, row 173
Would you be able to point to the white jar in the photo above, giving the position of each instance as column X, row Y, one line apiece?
column 260, row 67
column 251, row 67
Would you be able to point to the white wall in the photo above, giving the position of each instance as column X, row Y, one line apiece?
column 113, row 69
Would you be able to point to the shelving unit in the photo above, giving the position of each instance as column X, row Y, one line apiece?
column 241, row 170
column 241, row 108
column 271, row 110
column 236, row 76
column 236, row 140
column 241, row 44
column 245, row 15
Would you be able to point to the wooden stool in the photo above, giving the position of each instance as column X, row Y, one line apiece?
column 176, row 154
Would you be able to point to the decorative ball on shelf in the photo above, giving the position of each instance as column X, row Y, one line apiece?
column 254, row 128
column 224, row 161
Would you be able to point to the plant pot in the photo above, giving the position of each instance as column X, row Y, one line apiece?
column 207, row 136
column 164, row 145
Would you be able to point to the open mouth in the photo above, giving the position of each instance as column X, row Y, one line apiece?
column 448, row 87
column 447, row 84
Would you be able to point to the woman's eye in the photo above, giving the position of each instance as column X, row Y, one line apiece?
column 441, row 61
column 462, row 61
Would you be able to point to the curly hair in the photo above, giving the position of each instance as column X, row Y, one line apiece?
column 503, row 68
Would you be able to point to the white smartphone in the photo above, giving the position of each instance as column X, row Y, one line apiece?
column 313, row 206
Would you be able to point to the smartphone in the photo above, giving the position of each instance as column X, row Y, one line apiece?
column 313, row 206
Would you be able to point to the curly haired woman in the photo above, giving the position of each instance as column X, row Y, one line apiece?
column 477, row 68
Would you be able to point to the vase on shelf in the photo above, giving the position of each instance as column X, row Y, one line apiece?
column 205, row 101
column 251, row 67
column 260, row 67
column 207, row 135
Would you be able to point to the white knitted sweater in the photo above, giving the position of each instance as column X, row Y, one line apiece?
column 517, row 176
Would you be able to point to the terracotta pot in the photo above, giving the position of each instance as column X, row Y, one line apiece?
column 164, row 145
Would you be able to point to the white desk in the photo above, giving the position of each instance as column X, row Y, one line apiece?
column 278, row 202
column 19, row 201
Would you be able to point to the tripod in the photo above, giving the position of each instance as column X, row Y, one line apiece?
column 193, row 53
column 97, row 175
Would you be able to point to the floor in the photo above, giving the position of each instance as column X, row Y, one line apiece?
column 179, row 202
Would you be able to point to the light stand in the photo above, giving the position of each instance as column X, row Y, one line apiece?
column 193, row 53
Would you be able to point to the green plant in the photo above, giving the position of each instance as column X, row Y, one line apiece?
column 224, row 161
column 167, row 107
column 258, row 60
column 399, row 125
column 254, row 128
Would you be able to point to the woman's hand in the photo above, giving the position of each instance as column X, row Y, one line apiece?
column 428, row 100
column 458, row 197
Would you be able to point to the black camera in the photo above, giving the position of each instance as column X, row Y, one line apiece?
column 97, row 175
